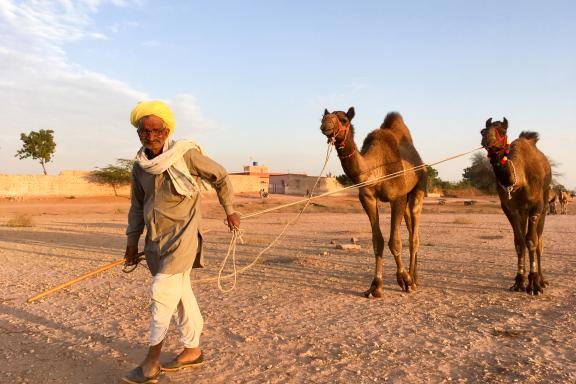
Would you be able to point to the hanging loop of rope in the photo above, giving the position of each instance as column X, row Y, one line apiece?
column 236, row 235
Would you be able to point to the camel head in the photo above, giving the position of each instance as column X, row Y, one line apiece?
column 335, row 125
column 494, row 135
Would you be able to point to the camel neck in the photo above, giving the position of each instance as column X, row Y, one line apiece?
column 350, row 158
column 501, row 163
column 505, row 175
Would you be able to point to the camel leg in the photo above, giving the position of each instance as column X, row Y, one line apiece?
column 540, row 250
column 415, row 209
column 532, row 242
column 370, row 205
column 398, row 207
column 518, row 223
column 408, row 220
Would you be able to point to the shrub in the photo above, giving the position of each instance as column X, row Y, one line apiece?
column 463, row 220
column 20, row 221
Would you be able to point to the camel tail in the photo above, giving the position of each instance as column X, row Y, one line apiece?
column 530, row 136
column 395, row 122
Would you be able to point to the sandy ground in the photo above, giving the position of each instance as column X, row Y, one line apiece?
column 298, row 316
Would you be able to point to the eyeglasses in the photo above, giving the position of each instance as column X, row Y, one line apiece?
column 151, row 132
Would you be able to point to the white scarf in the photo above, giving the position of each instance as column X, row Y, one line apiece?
column 171, row 160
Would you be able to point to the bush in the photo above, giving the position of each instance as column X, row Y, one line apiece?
column 115, row 175
column 463, row 220
column 20, row 221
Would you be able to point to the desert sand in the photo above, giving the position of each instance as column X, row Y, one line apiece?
column 297, row 316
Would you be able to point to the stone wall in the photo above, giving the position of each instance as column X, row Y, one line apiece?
column 294, row 184
column 81, row 184
column 246, row 183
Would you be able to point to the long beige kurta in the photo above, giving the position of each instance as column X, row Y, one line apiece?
column 173, row 241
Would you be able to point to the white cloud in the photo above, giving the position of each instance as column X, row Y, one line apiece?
column 41, row 89
column 189, row 115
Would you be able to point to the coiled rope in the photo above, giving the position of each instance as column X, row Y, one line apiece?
column 237, row 235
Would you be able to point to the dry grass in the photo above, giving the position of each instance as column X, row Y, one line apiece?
column 491, row 237
column 463, row 220
column 22, row 220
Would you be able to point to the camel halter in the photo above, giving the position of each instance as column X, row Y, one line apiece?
column 341, row 144
column 500, row 156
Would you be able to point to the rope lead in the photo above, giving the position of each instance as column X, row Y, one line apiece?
column 219, row 278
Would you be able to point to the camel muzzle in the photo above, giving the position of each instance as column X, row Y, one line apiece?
column 328, row 128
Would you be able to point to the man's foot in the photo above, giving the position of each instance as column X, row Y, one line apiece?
column 188, row 358
column 150, row 368
column 137, row 376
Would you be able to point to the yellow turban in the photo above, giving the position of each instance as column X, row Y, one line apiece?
column 156, row 108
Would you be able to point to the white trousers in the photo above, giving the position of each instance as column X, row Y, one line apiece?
column 171, row 292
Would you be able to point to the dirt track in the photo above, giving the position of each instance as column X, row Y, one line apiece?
column 298, row 316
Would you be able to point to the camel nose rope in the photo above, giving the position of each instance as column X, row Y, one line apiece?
column 236, row 271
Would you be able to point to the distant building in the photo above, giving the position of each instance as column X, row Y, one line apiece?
column 286, row 183
column 301, row 184
column 261, row 171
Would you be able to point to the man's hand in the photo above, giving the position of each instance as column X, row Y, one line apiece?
column 233, row 221
column 131, row 254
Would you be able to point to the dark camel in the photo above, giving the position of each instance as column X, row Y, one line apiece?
column 563, row 198
column 385, row 151
column 552, row 197
column 523, row 174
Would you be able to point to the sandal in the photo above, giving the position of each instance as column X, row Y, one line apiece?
column 136, row 376
column 176, row 365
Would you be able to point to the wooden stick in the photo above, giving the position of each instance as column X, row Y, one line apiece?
column 77, row 279
column 85, row 276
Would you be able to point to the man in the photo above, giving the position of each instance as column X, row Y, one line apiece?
column 165, row 199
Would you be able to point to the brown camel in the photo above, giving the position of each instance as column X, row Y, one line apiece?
column 386, row 150
column 523, row 174
column 563, row 198
column 552, row 198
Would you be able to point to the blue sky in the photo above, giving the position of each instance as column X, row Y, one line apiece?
column 249, row 80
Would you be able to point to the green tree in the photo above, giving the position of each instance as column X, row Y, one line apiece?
column 480, row 174
column 434, row 182
column 115, row 175
column 555, row 173
column 344, row 180
column 38, row 145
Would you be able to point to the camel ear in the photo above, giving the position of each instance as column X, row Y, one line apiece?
column 326, row 112
column 350, row 113
column 505, row 124
column 488, row 123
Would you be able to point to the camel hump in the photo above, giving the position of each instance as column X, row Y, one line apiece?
column 395, row 122
column 530, row 136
